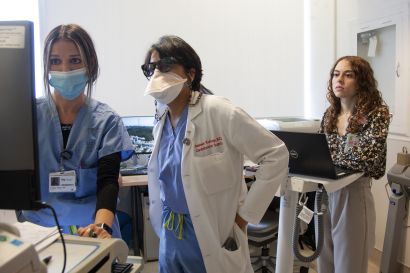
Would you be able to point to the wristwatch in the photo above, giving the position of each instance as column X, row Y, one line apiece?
column 106, row 227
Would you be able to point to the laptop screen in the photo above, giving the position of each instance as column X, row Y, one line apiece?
column 140, row 130
column 308, row 154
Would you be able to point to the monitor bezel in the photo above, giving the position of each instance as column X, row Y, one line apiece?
column 26, row 194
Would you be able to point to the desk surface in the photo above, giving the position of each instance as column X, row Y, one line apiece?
column 310, row 183
column 84, row 253
column 303, row 183
column 134, row 180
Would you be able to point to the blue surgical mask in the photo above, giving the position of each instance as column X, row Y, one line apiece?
column 69, row 84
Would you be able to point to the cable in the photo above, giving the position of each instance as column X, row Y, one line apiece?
column 320, row 207
column 406, row 206
column 387, row 191
column 42, row 205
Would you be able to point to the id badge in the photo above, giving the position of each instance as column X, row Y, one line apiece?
column 62, row 182
column 352, row 140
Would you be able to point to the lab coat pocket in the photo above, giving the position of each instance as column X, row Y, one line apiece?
column 86, row 182
column 237, row 260
column 213, row 173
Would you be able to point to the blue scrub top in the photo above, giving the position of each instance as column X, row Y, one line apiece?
column 97, row 131
column 169, row 162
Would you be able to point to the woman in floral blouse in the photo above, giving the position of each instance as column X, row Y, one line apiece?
column 356, row 125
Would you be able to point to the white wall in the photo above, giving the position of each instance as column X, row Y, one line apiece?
column 349, row 12
column 252, row 51
column 12, row 10
column 320, row 45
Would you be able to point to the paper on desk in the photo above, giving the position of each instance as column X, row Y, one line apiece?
column 36, row 235
column 76, row 253
column 46, row 242
column 8, row 216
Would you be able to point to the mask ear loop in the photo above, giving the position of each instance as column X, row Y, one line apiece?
column 157, row 114
column 156, row 110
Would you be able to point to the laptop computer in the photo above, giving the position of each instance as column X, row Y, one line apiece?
column 309, row 155
column 140, row 130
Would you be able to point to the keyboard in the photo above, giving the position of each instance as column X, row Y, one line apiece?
column 133, row 171
column 120, row 267
column 341, row 172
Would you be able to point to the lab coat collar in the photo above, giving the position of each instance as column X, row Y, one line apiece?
column 195, row 108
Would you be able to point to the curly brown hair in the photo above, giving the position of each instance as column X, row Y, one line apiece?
column 368, row 96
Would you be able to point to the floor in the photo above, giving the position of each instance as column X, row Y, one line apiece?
column 152, row 267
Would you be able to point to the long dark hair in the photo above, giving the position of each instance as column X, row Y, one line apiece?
column 174, row 46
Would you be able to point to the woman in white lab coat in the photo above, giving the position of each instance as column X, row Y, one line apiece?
column 356, row 125
column 199, row 204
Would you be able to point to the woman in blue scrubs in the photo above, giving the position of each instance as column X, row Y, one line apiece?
column 81, row 141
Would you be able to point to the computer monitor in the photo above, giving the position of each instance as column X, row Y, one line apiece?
column 140, row 130
column 19, row 180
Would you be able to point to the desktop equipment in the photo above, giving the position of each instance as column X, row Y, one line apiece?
column 121, row 268
column 17, row 255
column 86, row 254
column 150, row 238
column 313, row 172
column 398, row 178
column 293, row 124
column 140, row 130
column 309, row 155
column 19, row 180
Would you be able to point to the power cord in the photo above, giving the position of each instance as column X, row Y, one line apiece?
column 43, row 205
column 321, row 203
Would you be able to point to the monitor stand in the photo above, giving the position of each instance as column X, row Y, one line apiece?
column 290, row 190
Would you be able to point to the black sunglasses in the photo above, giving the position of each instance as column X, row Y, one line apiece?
column 163, row 65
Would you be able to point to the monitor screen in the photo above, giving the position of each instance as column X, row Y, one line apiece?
column 140, row 130
column 19, row 183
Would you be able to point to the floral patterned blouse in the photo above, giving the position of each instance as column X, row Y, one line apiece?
column 363, row 151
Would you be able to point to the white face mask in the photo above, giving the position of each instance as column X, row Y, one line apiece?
column 164, row 87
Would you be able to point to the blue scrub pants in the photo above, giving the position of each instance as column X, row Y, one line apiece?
column 179, row 255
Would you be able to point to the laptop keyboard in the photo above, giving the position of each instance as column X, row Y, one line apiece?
column 133, row 171
column 341, row 172
column 121, row 267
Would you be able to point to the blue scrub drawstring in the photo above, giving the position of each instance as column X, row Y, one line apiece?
column 169, row 224
column 73, row 230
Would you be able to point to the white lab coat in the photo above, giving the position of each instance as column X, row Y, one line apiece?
column 217, row 136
